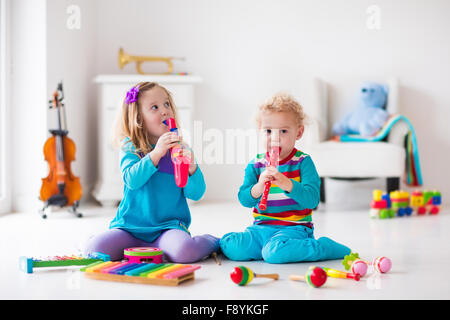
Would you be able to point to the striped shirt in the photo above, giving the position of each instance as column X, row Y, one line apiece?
column 284, row 208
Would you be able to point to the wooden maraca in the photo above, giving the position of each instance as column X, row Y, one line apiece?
column 382, row 264
column 357, row 265
column 242, row 275
column 314, row 277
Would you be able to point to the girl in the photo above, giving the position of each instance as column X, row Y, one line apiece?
column 154, row 211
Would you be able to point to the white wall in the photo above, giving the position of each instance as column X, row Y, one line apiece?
column 5, row 168
column 71, row 57
column 44, row 51
column 247, row 50
column 27, row 100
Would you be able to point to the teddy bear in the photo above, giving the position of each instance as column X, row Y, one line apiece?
column 369, row 115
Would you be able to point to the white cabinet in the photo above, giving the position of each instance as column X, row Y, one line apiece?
column 112, row 89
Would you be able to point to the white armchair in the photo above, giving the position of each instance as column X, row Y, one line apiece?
column 352, row 160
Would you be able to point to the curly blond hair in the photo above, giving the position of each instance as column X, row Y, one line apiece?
column 130, row 123
column 282, row 102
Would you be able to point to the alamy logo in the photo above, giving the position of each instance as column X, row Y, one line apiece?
column 373, row 21
column 74, row 19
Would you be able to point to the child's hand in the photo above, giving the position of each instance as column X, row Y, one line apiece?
column 258, row 189
column 279, row 179
column 165, row 142
column 265, row 176
column 189, row 154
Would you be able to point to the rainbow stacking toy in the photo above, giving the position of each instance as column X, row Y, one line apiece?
column 401, row 203
column 167, row 274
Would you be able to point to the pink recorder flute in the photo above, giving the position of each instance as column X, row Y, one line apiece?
column 180, row 162
column 274, row 158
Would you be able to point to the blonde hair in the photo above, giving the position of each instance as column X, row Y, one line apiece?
column 282, row 102
column 130, row 123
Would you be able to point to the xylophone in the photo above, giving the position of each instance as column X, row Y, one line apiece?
column 26, row 264
column 168, row 274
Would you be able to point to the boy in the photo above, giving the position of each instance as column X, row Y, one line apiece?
column 283, row 232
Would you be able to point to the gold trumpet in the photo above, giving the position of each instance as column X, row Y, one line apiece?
column 125, row 58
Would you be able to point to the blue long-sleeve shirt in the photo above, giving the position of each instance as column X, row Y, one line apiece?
column 284, row 208
column 152, row 202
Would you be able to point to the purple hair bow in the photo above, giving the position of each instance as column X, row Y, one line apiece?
column 132, row 95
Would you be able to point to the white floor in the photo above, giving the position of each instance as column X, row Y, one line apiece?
column 417, row 246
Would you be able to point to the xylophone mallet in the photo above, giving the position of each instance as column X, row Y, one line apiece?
column 314, row 277
column 242, row 275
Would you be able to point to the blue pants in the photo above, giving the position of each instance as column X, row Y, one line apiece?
column 280, row 244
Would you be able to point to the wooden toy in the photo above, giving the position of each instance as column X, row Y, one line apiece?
column 180, row 162
column 401, row 203
column 341, row 274
column 314, row 277
column 143, row 254
column 349, row 259
column 242, row 275
column 26, row 264
column 426, row 201
column 381, row 206
column 166, row 274
column 359, row 267
column 380, row 264
column 216, row 258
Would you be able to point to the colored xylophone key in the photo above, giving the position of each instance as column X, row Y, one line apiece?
column 159, row 273
column 99, row 266
column 151, row 273
column 91, row 265
column 180, row 272
column 141, row 269
column 127, row 267
column 157, row 268
column 112, row 267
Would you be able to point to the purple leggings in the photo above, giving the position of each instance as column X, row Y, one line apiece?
column 178, row 246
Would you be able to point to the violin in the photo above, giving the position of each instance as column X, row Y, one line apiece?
column 61, row 187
